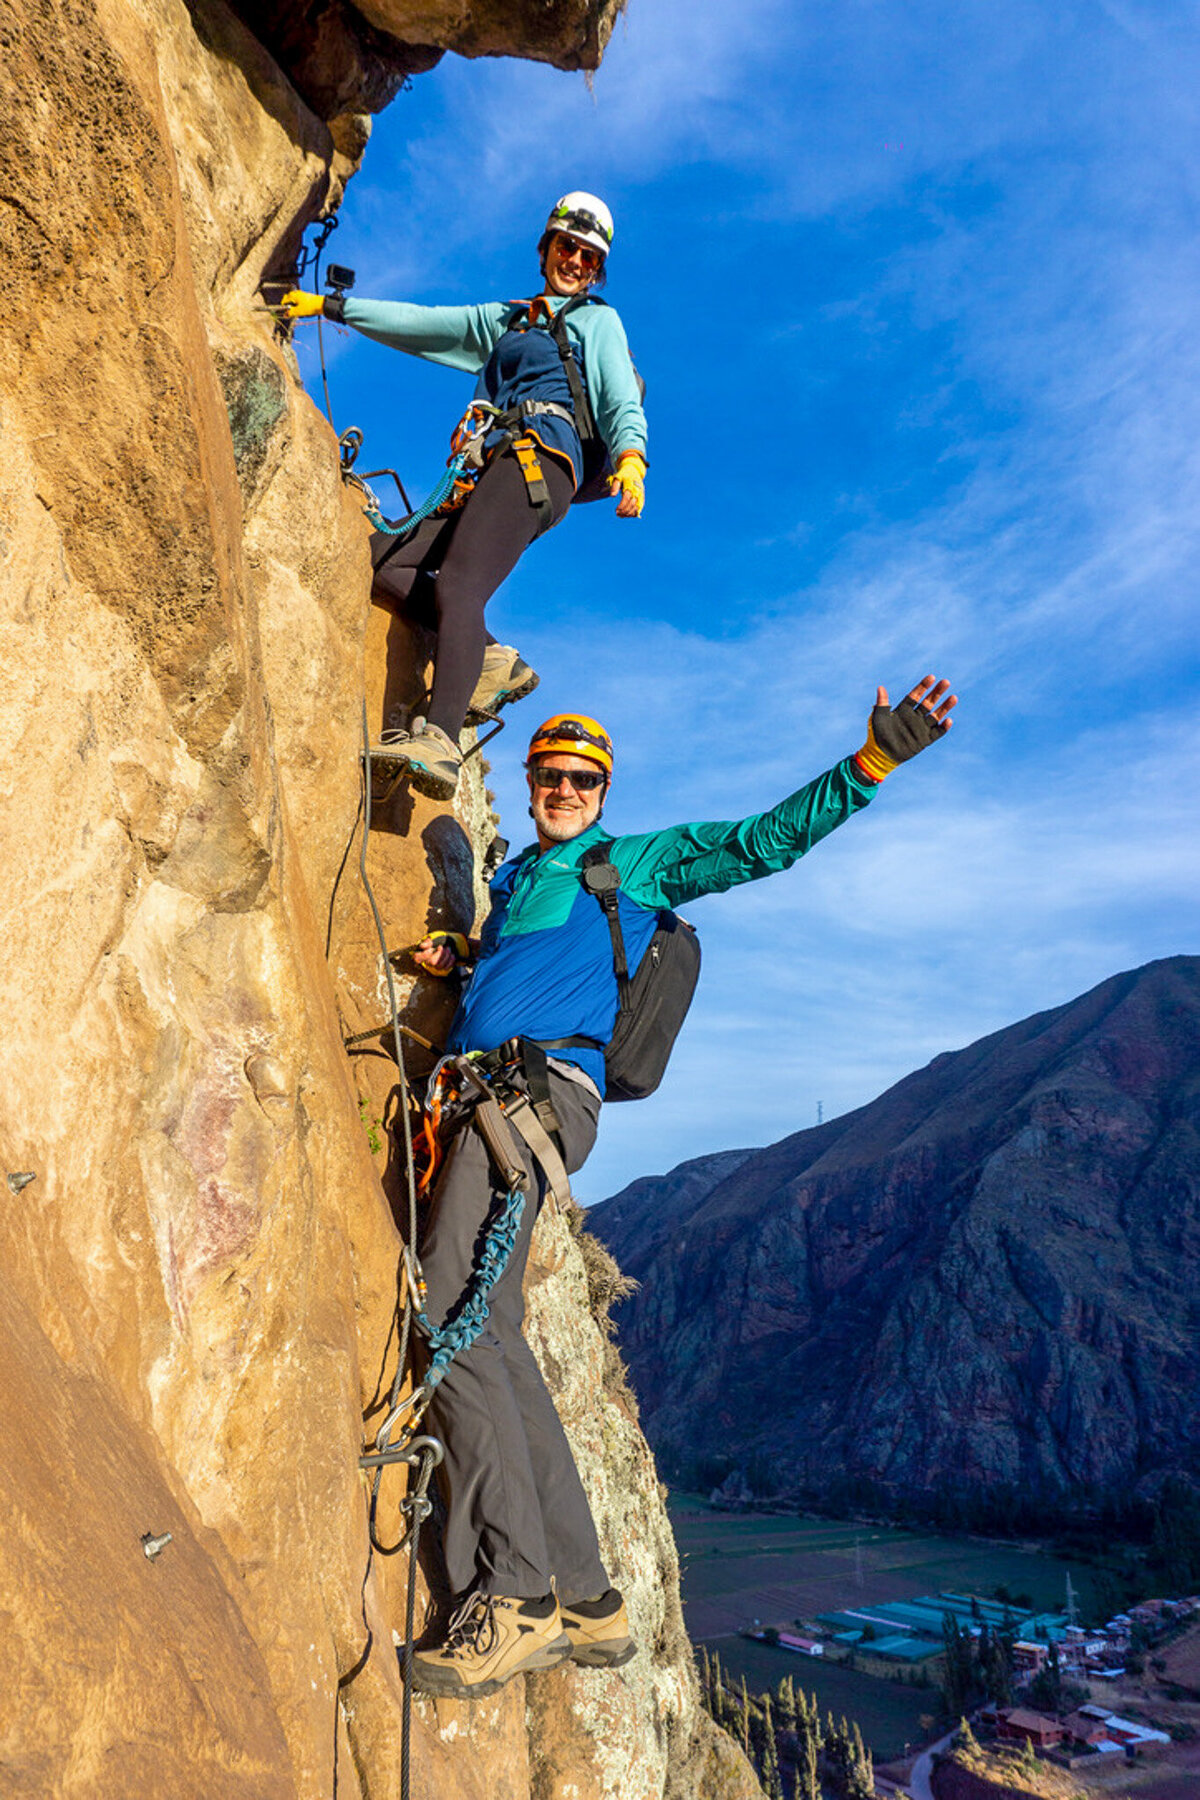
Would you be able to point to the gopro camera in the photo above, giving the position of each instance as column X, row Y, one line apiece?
column 339, row 277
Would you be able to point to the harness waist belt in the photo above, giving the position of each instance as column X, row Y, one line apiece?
column 510, row 1051
column 531, row 409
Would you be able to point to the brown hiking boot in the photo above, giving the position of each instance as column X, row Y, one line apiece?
column 505, row 677
column 490, row 1640
column 599, row 1631
column 424, row 753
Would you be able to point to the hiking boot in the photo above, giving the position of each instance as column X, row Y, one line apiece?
column 490, row 1640
column 599, row 1631
column 429, row 758
column 505, row 676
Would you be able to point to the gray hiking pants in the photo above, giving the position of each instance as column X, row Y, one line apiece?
column 518, row 1516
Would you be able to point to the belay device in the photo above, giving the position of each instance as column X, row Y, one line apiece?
column 655, row 1002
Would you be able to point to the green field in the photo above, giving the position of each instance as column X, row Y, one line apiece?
column 738, row 1567
column 774, row 1569
column 888, row 1713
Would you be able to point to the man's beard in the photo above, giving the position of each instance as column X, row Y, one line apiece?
column 560, row 831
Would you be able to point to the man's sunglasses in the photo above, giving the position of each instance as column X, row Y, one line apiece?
column 582, row 780
column 567, row 246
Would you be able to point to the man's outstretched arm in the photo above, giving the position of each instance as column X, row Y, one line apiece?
column 671, row 867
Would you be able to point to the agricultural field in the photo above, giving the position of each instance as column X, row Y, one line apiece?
column 891, row 1715
column 738, row 1567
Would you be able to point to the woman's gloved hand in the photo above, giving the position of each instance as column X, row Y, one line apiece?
column 298, row 305
column 628, row 480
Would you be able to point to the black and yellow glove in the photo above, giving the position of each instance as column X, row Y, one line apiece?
column 896, row 734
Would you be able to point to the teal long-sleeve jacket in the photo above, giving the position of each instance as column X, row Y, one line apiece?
column 545, row 966
column 464, row 337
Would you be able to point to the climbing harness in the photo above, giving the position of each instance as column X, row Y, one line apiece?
column 483, row 432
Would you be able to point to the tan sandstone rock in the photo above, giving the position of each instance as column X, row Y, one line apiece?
column 200, row 1280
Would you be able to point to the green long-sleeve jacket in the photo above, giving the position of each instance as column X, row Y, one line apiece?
column 545, row 968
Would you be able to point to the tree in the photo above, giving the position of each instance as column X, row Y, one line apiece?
column 717, row 1703
column 958, row 1666
column 994, row 1665
column 772, row 1780
column 835, row 1750
column 808, row 1781
column 1175, row 1540
column 861, row 1776
column 1049, row 1691
column 848, row 1769
column 785, row 1700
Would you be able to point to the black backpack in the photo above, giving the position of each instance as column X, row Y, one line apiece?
column 597, row 464
column 655, row 1002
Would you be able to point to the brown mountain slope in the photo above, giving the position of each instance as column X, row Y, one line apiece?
column 986, row 1280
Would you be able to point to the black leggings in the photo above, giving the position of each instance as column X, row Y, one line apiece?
column 449, row 569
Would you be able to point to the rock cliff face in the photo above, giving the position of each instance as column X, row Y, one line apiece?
column 984, row 1282
column 200, row 1260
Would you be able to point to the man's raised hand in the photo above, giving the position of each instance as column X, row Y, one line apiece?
column 897, row 735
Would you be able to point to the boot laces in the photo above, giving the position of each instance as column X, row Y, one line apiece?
column 473, row 1626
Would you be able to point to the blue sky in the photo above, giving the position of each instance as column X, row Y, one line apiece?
column 913, row 291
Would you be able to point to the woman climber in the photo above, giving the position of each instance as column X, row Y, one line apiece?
column 557, row 407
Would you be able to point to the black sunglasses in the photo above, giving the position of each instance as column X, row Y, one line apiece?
column 588, row 256
column 582, row 780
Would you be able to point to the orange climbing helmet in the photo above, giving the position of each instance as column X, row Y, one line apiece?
column 575, row 735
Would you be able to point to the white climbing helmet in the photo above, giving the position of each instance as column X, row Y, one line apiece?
column 583, row 216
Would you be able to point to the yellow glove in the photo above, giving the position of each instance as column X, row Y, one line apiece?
column 629, row 481
column 454, row 941
column 297, row 305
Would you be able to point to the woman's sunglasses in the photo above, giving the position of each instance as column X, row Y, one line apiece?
column 567, row 246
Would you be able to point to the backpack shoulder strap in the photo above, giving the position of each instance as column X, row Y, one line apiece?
column 601, row 877
column 584, row 419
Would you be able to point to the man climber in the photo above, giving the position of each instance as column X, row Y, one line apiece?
column 521, row 1548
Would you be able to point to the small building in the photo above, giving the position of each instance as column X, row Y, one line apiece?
column 1019, row 1725
column 791, row 1640
column 1083, row 1727
column 1029, row 1657
column 1127, row 1731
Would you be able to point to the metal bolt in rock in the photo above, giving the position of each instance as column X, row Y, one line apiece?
column 153, row 1545
column 21, row 1179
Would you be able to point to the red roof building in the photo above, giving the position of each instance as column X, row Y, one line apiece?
column 1018, row 1725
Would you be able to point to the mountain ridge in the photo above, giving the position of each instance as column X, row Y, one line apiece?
column 978, row 1282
